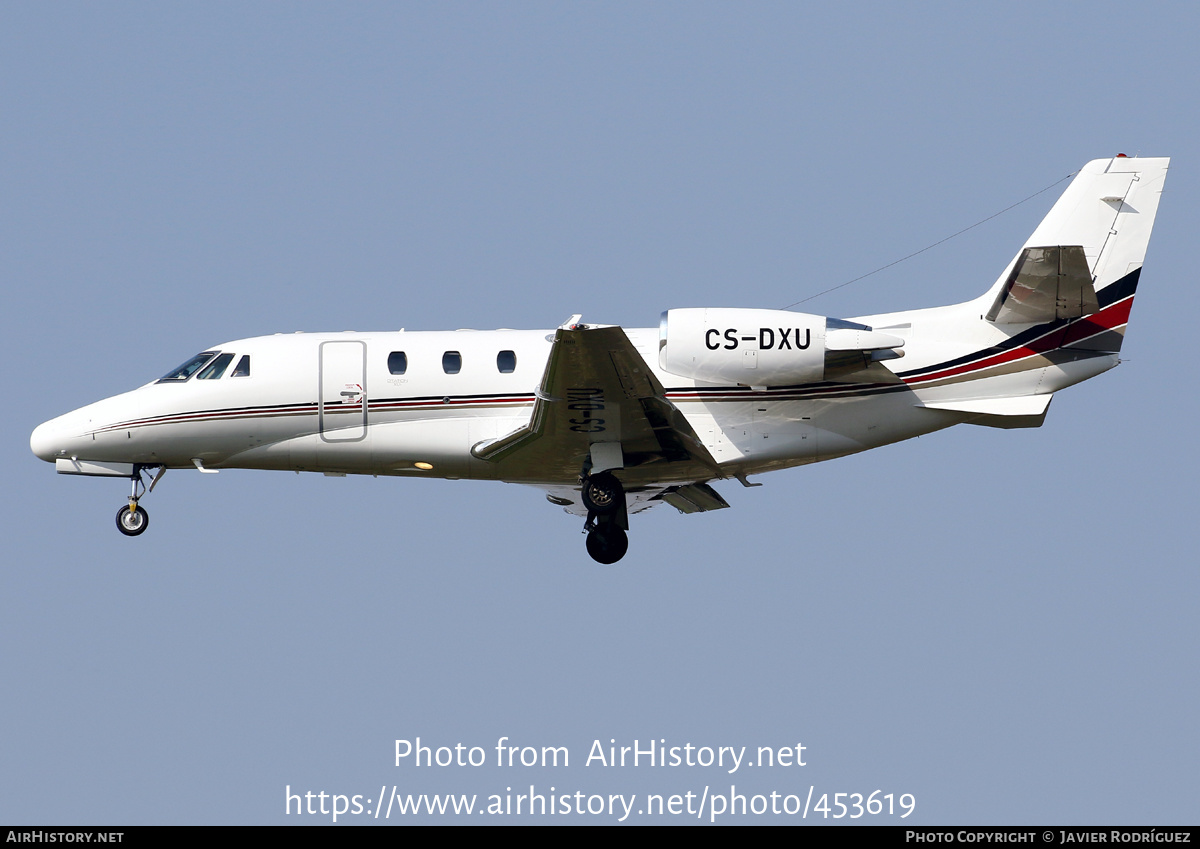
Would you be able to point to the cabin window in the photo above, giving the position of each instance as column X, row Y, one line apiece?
column 397, row 362
column 242, row 369
column 216, row 368
column 506, row 362
column 187, row 369
column 452, row 362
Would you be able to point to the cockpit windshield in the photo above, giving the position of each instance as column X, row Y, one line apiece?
column 216, row 368
column 187, row 369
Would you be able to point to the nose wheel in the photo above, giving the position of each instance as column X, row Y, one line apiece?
column 132, row 520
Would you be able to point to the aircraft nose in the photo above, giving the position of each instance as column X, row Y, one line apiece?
column 75, row 432
column 59, row 436
column 45, row 440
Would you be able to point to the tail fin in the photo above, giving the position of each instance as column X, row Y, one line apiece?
column 1058, row 313
column 1085, row 258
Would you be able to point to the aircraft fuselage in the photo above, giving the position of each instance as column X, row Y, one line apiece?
column 611, row 421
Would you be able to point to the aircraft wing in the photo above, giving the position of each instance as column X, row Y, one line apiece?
column 599, row 403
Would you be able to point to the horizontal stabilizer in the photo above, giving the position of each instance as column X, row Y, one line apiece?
column 1019, row 411
column 1045, row 284
column 694, row 498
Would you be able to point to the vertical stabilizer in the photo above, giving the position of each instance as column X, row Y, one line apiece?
column 1109, row 209
column 1083, row 261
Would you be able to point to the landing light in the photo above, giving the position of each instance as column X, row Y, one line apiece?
column 425, row 467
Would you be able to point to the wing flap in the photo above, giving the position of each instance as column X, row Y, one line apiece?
column 596, row 388
column 694, row 498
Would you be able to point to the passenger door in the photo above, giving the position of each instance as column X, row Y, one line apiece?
column 342, row 408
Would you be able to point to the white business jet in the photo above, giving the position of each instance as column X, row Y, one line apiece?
column 612, row 421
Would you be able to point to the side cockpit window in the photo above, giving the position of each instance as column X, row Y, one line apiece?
column 242, row 369
column 187, row 369
column 216, row 368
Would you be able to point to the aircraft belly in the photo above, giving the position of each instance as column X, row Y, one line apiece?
column 177, row 444
column 386, row 448
column 790, row 434
column 725, row 427
column 849, row 426
column 784, row 429
column 442, row 443
column 740, row 432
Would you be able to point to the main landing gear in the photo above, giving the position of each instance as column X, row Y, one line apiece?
column 607, row 520
column 607, row 542
column 133, row 519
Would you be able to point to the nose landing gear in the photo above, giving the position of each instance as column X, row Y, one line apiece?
column 133, row 519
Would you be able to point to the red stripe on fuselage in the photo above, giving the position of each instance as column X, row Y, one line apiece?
column 1111, row 316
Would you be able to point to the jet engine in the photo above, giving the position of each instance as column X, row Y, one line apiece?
column 767, row 347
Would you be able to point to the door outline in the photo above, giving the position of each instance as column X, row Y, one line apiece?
column 336, row 373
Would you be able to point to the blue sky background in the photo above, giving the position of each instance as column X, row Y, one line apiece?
column 1001, row 623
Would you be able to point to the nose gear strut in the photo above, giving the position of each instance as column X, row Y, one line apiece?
column 133, row 519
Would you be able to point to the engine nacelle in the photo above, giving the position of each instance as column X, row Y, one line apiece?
column 763, row 347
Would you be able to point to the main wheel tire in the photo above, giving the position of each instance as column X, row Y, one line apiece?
column 603, row 494
column 132, row 523
column 607, row 545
